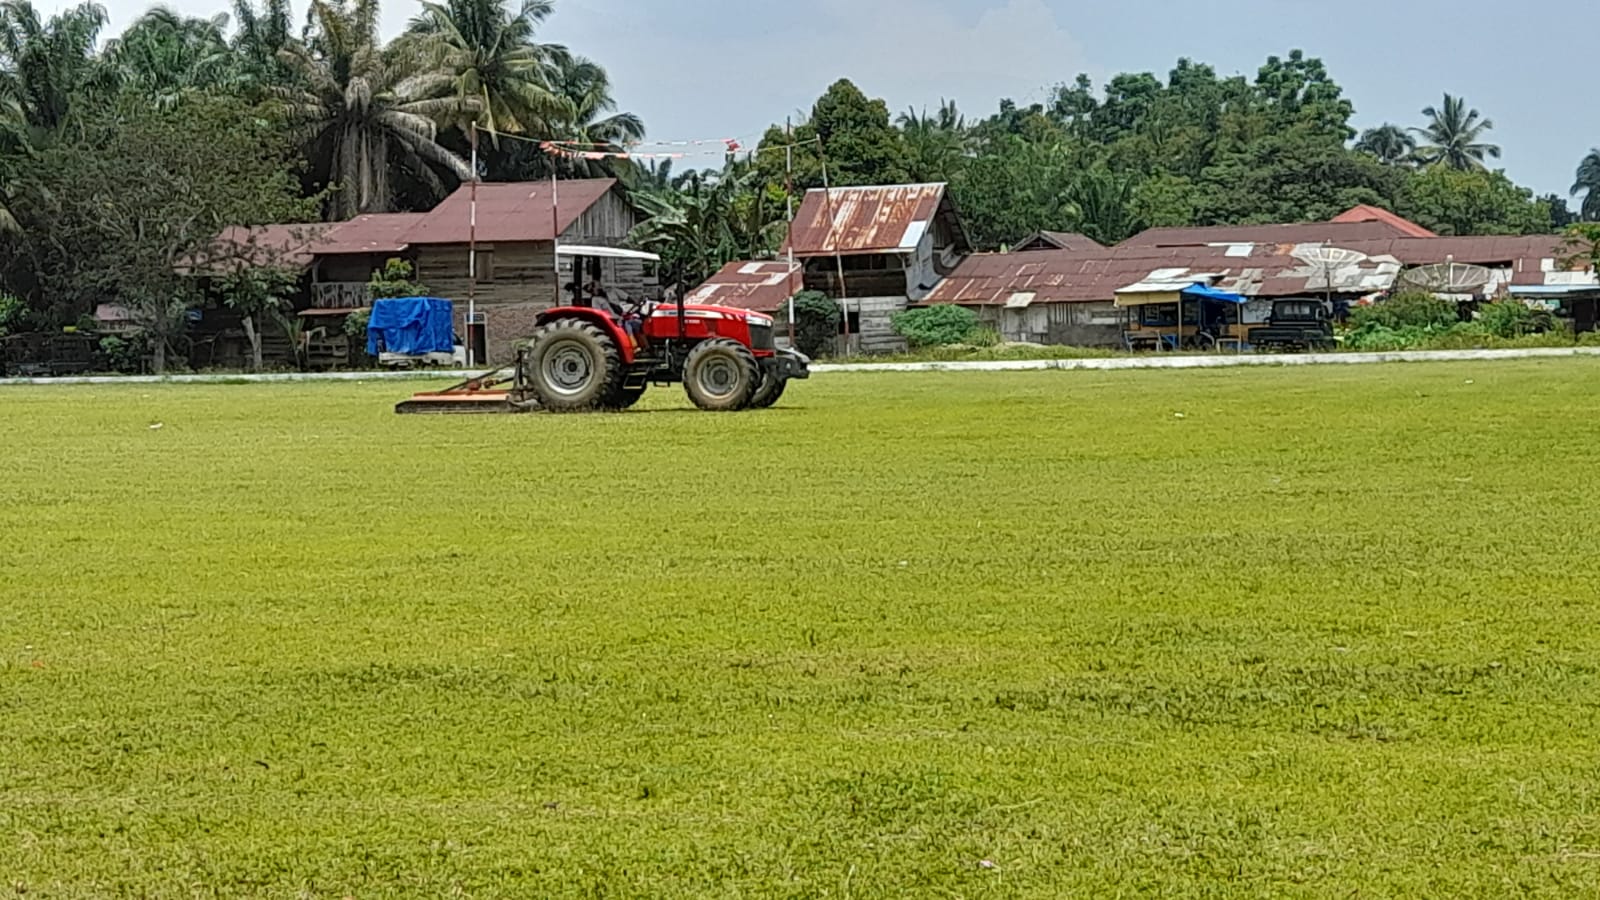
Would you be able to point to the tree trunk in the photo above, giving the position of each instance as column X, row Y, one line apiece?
column 159, row 361
column 255, row 342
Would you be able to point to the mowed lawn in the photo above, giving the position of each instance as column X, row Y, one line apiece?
column 1297, row 632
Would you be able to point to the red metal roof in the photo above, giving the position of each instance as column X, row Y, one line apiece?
column 370, row 233
column 1484, row 251
column 510, row 212
column 1058, row 240
column 1365, row 213
column 761, row 286
column 866, row 219
column 237, row 246
column 1339, row 233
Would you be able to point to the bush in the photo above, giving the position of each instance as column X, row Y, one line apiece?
column 394, row 280
column 936, row 326
column 13, row 314
column 816, row 322
column 1512, row 319
column 122, row 355
column 1409, row 310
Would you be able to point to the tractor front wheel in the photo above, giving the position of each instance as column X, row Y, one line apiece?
column 769, row 392
column 721, row 375
column 573, row 366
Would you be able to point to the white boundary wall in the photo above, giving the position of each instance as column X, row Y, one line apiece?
column 1018, row 365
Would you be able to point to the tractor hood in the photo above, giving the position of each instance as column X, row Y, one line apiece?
column 703, row 311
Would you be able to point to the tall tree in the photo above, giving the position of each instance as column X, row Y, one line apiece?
column 1453, row 202
column 853, row 134
column 1390, row 144
column 494, row 60
column 1454, row 136
column 164, row 56
column 1588, row 184
column 260, row 40
column 364, row 116
column 936, row 144
column 49, row 64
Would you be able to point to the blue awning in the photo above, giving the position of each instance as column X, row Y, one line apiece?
column 1202, row 292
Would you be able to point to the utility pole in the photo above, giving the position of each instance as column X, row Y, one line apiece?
column 838, row 259
column 472, row 246
column 788, row 196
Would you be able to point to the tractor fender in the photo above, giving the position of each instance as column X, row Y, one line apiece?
column 604, row 322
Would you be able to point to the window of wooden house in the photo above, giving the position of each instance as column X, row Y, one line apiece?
column 483, row 269
column 853, row 319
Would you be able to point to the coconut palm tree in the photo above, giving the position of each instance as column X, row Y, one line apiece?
column 594, row 119
column 1391, row 144
column 494, row 60
column 364, row 116
column 45, row 66
column 937, row 143
column 164, row 56
column 1454, row 136
column 1588, row 184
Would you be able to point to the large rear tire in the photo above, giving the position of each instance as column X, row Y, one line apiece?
column 769, row 392
column 573, row 366
column 721, row 375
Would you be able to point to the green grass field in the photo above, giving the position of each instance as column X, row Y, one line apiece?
column 1330, row 632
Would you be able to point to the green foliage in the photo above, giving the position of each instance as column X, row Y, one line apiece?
column 1406, row 310
column 355, row 325
column 935, row 326
column 123, row 355
column 1454, row 202
column 13, row 314
column 816, row 322
column 859, row 143
column 1512, row 319
column 393, row 280
column 1582, row 242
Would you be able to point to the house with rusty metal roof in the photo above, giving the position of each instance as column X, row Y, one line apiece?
column 875, row 250
column 1058, row 240
column 1070, row 297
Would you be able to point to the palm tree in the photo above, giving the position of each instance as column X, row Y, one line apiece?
column 261, row 38
column 937, row 143
column 594, row 121
column 164, row 56
column 363, row 115
column 1391, row 144
column 1454, row 134
column 1588, row 184
column 47, row 65
column 493, row 59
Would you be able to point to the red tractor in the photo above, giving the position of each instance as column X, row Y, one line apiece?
column 581, row 358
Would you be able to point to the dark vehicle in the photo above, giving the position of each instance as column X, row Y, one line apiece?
column 1295, row 325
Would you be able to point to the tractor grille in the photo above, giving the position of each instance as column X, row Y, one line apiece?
column 761, row 338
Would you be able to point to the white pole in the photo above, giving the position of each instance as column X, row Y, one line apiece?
column 472, row 248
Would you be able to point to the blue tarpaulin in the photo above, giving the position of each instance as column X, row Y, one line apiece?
column 1202, row 292
column 411, row 326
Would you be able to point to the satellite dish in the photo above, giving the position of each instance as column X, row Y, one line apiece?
column 1329, row 260
column 1329, row 257
column 1448, row 278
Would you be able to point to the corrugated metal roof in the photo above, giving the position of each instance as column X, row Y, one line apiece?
column 1365, row 213
column 866, row 219
column 370, row 233
column 761, row 286
column 1339, row 233
column 1058, row 240
column 286, row 246
column 510, row 212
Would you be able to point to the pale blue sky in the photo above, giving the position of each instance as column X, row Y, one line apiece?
column 719, row 68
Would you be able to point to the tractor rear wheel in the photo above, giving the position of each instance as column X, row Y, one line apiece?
column 721, row 375
column 573, row 366
column 768, row 393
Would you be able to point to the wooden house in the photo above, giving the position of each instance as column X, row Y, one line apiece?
column 517, row 271
column 876, row 250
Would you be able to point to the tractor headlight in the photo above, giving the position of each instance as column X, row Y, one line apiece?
column 760, row 321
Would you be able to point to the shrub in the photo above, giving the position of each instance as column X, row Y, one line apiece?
column 816, row 322
column 935, row 326
column 122, row 355
column 1511, row 319
column 1409, row 310
column 13, row 314
column 393, row 280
